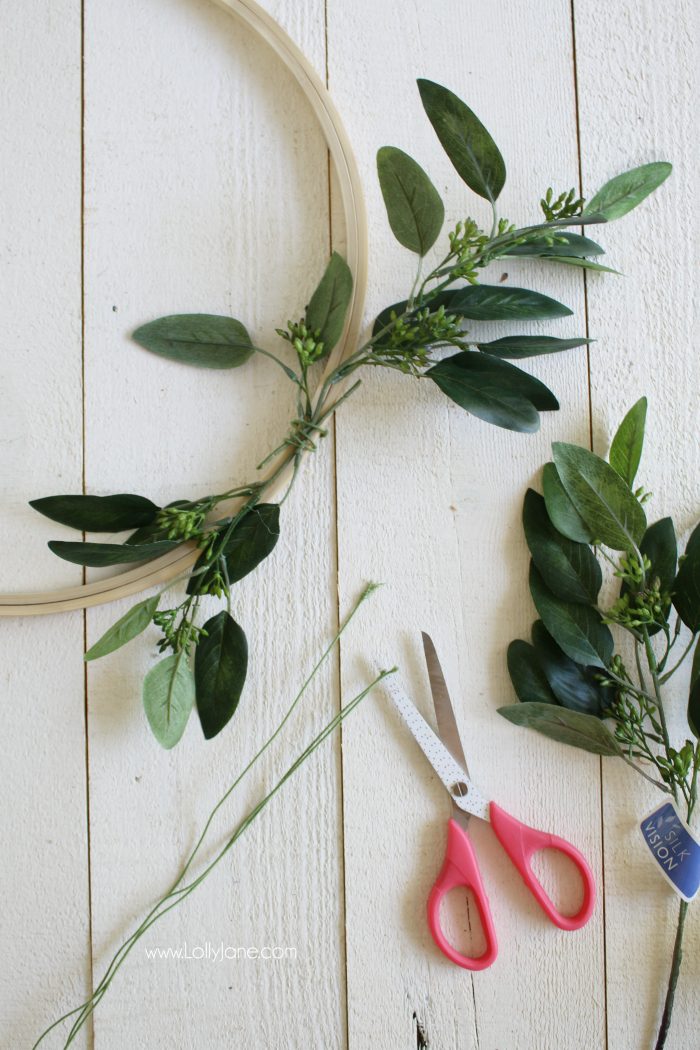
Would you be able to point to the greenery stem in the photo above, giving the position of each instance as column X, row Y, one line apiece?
column 677, row 957
column 653, row 670
column 177, row 891
column 673, row 979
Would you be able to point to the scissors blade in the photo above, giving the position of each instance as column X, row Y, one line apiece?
column 455, row 779
column 447, row 723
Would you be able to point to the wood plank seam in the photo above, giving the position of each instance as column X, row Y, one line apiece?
column 587, row 329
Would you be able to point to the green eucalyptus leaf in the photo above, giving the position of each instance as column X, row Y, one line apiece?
column 582, row 264
column 413, row 205
column 515, row 347
column 127, row 627
column 686, row 591
column 573, row 685
column 626, row 191
column 569, row 569
column 220, row 667
column 626, row 447
column 252, row 539
column 98, row 513
column 493, row 390
column 568, row 727
column 329, row 304
column 694, row 694
column 466, row 141
column 562, row 513
column 487, row 302
column 205, row 340
column 526, row 674
column 601, row 497
column 571, row 245
column 577, row 629
column 99, row 555
column 168, row 698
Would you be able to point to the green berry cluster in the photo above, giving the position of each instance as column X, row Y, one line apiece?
column 676, row 765
column 406, row 345
column 307, row 343
column 179, row 631
column 181, row 523
column 565, row 205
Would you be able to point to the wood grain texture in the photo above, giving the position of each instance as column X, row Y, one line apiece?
column 637, row 105
column 206, row 188
column 207, row 191
column 44, row 958
column 447, row 490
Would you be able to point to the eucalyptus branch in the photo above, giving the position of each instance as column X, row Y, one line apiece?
column 590, row 504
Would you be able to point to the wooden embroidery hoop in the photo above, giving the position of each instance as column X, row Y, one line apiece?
column 177, row 562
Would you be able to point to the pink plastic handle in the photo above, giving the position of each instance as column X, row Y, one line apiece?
column 461, row 869
column 520, row 842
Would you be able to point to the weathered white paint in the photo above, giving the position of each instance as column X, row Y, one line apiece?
column 206, row 189
column 44, row 943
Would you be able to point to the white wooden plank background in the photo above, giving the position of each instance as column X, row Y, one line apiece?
column 201, row 180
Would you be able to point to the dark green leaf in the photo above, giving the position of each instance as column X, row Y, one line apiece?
column 577, row 629
column 220, row 667
column 465, row 140
column 168, row 698
column 626, row 191
column 493, row 390
column 205, row 340
column 329, row 303
column 686, row 596
column 569, row 569
column 568, row 727
column 526, row 674
column 252, row 539
column 626, row 447
column 518, row 346
column 601, row 497
column 694, row 694
column 127, row 627
column 413, row 205
column 574, row 686
column 562, row 513
column 98, row 555
column 661, row 548
column 486, row 302
column 571, row 245
column 98, row 513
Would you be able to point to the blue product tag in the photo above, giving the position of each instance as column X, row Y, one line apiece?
column 674, row 848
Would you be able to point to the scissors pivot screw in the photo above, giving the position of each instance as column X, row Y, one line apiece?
column 460, row 789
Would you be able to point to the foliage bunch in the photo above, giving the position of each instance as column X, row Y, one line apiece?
column 596, row 673
column 423, row 337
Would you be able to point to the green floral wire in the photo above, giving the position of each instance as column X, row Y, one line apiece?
column 181, row 892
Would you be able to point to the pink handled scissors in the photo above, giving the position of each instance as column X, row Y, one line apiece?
column 460, row 868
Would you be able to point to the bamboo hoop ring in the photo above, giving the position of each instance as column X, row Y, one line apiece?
column 174, row 564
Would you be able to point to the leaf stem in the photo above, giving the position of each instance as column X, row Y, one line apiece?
column 651, row 661
column 677, row 956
